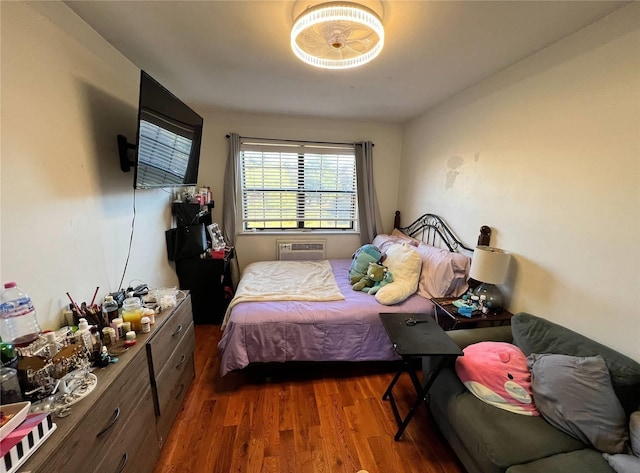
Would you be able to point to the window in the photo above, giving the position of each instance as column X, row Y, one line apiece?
column 304, row 186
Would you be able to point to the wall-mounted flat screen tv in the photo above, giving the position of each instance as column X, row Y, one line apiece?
column 168, row 138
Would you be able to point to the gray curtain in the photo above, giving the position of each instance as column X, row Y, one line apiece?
column 230, row 204
column 368, row 212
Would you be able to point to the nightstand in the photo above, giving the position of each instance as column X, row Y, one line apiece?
column 446, row 314
column 206, row 280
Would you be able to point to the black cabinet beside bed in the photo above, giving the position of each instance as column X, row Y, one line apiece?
column 205, row 279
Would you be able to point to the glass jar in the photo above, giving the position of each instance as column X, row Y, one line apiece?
column 109, row 310
column 9, row 386
column 145, row 323
column 132, row 312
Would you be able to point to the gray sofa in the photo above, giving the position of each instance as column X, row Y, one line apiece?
column 491, row 440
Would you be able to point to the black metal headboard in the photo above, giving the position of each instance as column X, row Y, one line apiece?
column 432, row 229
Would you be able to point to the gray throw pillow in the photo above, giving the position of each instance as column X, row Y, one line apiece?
column 575, row 395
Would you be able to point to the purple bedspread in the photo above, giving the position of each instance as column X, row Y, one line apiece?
column 345, row 330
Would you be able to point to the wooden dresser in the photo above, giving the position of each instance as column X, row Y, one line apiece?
column 121, row 426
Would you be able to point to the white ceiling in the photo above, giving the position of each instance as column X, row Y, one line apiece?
column 236, row 54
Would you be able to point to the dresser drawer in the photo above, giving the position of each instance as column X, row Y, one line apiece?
column 104, row 423
column 144, row 461
column 171, row 397
column 135, row 449
column 161, row 346
column 168, row 379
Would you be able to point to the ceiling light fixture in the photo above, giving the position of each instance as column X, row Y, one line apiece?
column 337, row 35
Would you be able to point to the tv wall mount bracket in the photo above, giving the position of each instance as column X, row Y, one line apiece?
column 123, row 150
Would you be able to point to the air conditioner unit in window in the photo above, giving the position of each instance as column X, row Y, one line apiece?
column 301, row 250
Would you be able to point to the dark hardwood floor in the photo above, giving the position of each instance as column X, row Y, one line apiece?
column 324, row 418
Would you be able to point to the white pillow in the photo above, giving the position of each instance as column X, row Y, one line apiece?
column 404, row 263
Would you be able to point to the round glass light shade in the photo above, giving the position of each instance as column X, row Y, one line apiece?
column 337, row 35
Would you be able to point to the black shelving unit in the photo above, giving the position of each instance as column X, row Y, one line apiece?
column 204, row 278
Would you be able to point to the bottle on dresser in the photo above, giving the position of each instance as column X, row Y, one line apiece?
column 83, row 334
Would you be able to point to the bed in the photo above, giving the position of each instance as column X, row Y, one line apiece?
column 346, row 326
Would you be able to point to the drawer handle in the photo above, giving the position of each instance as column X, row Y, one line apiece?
column 123, row 462
column 177, row 331
column 116, row 415
column 181, row 391
column 182, row 360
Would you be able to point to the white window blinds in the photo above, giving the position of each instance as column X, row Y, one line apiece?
column 289, row 185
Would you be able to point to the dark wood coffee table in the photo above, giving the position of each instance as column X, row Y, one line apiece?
column 414, row 336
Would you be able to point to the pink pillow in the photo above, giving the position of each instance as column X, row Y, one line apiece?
column 444, row 273
column 497, row 373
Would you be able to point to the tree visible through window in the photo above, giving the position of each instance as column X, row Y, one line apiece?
column 298, row 186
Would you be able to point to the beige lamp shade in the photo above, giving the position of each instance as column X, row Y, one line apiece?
column 489, row 265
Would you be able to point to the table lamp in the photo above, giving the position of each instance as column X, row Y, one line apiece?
column 489, row 266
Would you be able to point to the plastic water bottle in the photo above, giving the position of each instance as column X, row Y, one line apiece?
column 18, row 322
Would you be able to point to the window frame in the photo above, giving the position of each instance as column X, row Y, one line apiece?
column 302, row 149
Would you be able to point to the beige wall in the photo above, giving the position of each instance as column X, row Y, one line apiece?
column 547, row 153
column 66, row 206
column 387, row 139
